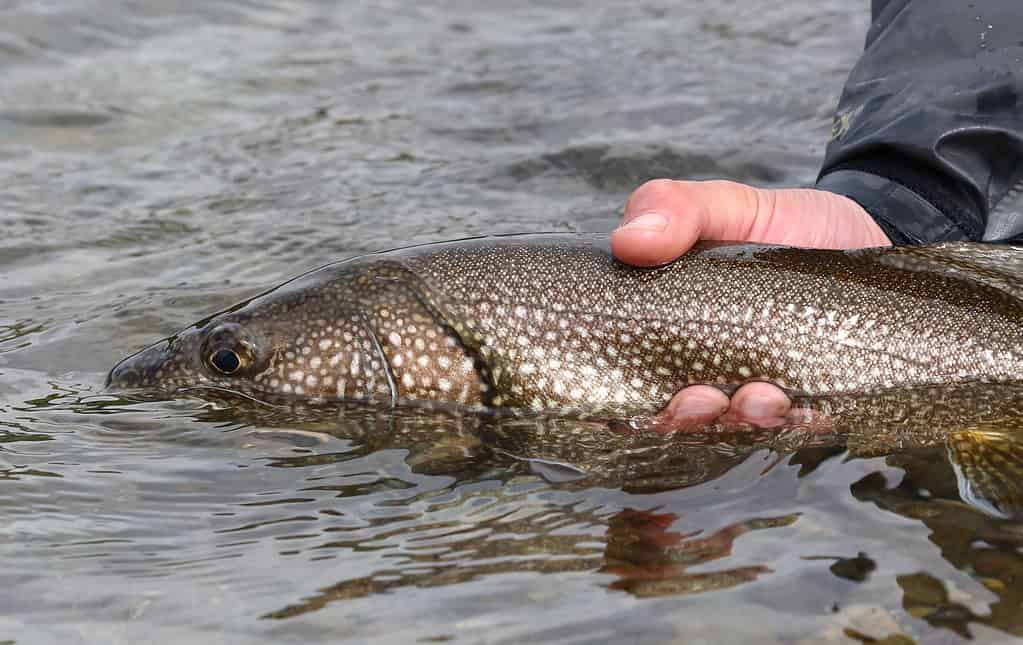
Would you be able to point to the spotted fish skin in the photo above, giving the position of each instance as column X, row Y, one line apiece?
column 554, row 323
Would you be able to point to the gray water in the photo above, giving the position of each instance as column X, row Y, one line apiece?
column 160, row 160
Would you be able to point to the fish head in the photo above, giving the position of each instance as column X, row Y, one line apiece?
column 307, row 340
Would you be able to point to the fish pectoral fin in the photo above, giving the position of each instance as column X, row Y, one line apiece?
column 988, row 463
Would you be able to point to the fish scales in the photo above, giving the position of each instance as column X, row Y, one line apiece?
column 566, row 326
column 554, row 323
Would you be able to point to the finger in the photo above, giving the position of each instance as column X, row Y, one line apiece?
column 664, row 218
column 691, row 408
column 813, row 218
column 761, row 404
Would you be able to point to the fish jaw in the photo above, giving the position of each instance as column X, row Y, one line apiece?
column 168, row 366
column 143, row 369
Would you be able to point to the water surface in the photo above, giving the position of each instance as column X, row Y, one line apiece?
column 161, row 160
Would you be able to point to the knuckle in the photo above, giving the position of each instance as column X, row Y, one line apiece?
column 658, row 186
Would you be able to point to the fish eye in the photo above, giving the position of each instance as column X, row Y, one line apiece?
column 229, row 350
column 225, row 361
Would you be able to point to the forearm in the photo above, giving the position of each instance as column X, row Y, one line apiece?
column 928, row 135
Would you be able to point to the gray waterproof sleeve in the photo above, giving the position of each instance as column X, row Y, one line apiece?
column 928, row 134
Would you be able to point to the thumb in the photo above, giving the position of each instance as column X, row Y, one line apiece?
column 664, row 218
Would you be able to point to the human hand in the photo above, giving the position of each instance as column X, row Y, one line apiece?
column 664, row 218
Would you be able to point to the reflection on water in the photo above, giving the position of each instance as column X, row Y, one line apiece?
column 370, row 505
column 160, row 160
column 649, row 560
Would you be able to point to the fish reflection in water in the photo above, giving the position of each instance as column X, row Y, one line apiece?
column 643, row 553
column 960, row 486
column 651, row 560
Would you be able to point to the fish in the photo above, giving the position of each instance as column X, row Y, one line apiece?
column 554, row 323
column 893, row 346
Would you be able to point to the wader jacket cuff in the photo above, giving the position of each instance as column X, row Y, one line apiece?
column 904, row 216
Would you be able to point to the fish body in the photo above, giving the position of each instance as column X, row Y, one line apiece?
column 896, row 348
column 552, row 323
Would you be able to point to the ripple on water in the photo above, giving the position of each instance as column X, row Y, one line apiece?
column 622, row 167
column 37, row 117
column 15, row 334
column 162, row 160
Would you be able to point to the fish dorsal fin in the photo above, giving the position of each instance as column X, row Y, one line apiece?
column 988, row 463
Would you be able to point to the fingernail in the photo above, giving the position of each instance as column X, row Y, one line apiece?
column 647, row 222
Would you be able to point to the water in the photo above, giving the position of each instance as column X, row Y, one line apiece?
column 161, row 160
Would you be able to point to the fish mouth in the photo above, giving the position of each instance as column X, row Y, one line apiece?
column 140, row 370
column 219, row 391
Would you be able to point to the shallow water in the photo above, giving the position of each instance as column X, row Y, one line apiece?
column 161, row 160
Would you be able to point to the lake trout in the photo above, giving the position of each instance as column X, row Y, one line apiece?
column 893, row 346
column 554, row 323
